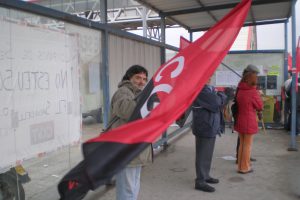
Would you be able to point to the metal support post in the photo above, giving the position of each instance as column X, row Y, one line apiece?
column 105, row 77
column 144, row 18
column 293, row 145
column 103, row 11
column 285, row 68
column 163, row 60
column 191, row 36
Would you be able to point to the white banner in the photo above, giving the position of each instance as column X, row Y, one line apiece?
column 39, row 91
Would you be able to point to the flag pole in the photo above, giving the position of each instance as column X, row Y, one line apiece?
column 231, row 69
column 263, row 125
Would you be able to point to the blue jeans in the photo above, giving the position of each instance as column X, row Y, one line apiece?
column 128, row 183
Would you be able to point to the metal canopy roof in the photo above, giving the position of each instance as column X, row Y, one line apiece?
column 200, row 15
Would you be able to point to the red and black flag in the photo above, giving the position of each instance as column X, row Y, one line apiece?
column 168, row 94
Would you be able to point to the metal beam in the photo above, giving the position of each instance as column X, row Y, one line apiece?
column 163, row 40
column 161, row 13
column 191, row 36
column 216, row 7
column 179, row 23
column 66, row 17
column 252, row 15
column 104, row 65
column 103, row 11
column 144, row 19
column 208, row 12
column 164, row 136
column 104, row 73
column 256, row 51
column 131, row 18
column 154, row 33
column 248, row 24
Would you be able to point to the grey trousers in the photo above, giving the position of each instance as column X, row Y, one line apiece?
column 204, row 153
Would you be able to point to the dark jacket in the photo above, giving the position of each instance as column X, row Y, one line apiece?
column 208, row 119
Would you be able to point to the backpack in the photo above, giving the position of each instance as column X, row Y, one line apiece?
column 234, row 111
column 234, row 108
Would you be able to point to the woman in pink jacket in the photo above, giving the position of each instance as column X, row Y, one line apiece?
column 249, row 103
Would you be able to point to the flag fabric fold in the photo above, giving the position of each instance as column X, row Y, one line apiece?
column 183, row 43
column 168, row 94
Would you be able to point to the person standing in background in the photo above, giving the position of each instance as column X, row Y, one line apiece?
column 249, row 103
column 287, row 86
column 207, row 122
column 253, row 69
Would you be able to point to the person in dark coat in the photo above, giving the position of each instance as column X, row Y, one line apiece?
column 207, row 122
column 288, row 101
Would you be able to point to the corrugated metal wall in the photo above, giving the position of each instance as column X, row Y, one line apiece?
column 125, row 52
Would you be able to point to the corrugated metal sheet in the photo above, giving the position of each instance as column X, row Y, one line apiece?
column 125, row 52
column 198, row 15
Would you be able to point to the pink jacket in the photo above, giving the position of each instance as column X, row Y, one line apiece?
column 249, row 102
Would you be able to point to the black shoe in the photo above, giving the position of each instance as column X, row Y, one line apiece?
column 212, row 180
column 204, row 187
column 250, row 171
column 252, row 159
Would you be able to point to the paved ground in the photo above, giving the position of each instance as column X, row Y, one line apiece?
column 276, row 176
column 171, row 176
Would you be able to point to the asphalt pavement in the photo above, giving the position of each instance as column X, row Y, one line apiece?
column 276, row 173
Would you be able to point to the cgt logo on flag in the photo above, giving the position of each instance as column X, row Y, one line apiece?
column 72, row 185
column 168, row 94
column 163, row 87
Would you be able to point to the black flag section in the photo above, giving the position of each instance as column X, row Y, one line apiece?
column 88, row 174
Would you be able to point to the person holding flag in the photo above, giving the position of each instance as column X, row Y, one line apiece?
column 208, row 121
column 122, row 105
column 164, row 99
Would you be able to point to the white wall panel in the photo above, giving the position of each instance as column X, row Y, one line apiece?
column 40, row 100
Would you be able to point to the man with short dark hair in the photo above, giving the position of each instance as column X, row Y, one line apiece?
column 122, row 105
